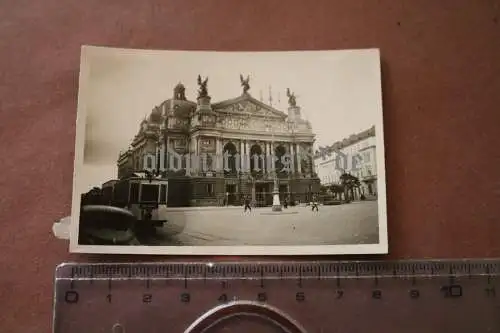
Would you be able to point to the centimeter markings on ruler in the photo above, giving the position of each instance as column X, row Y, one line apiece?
column 112, row 293
column 277, row 270
column 268, row 271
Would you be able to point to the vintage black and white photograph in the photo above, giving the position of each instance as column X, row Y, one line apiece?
column 239, row 153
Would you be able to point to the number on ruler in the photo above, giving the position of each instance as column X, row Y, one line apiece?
column 300, row 296
column 146, row 298
column 262, row 297
column 377, row 294
column 109, row 297
column 223, row 298
column 117, row 328
column 453, row 291
column 71, row 296
column 414, row 293
column 340, row 294
column 185, row 298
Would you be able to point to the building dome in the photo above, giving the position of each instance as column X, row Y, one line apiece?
column 179, row 92
column 155, row 116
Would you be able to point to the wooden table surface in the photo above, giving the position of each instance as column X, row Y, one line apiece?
column 441, row 89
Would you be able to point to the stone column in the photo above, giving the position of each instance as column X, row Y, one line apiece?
column 218, row 155
column 187, row 157
column 266, row 149
column 167, row 155
column 195, row 160
column 242, row 155
column 299, row 162
column 273, row 153
column 311, row 161
column 222, row 166
column 247, row 157
column 292, row 159
column 264, row 160
column 196, row 145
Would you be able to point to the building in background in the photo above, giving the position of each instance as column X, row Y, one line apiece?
column 241, row 127
column 355, row 155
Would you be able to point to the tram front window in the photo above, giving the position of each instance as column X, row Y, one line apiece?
column 134, row 193
column 149, row 193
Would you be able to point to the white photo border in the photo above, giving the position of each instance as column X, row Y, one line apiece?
column 254, row 250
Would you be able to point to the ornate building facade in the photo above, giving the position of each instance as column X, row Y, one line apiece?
column 190, row 138
column 359, row 159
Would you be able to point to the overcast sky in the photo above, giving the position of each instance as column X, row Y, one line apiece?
column 339, row 92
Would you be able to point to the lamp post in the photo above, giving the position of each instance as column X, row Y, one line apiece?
column 158, row 155
column 276, row 192
column 165, row 138
column 292, row 171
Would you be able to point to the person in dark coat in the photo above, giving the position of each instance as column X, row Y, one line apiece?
column 314, row 204
column 247, row 204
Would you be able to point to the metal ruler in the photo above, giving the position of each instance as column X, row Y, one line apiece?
column 314, row 297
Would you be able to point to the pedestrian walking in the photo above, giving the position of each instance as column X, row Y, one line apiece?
column 285, row 203
column 247, row 204
column 314, row 204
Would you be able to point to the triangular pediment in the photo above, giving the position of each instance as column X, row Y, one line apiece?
column 246, row 104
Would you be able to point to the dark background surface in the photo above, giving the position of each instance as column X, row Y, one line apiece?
column 441, row 82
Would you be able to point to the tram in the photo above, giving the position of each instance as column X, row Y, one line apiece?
column 143, row 195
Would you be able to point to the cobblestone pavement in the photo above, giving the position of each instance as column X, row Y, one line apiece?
column 354, row 223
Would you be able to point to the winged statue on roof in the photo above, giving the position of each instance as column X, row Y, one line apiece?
column 245, row 83
column 203, row 90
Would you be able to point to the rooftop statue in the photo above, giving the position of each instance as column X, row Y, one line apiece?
column 291, row 97
column 202, row 91
column 245, row 83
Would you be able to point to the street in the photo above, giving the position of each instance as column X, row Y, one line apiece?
column 354, row 223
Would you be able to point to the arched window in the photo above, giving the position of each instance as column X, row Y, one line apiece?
column 306, row 162
column 256, row 159
column 230, row 161
column 279, row 151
